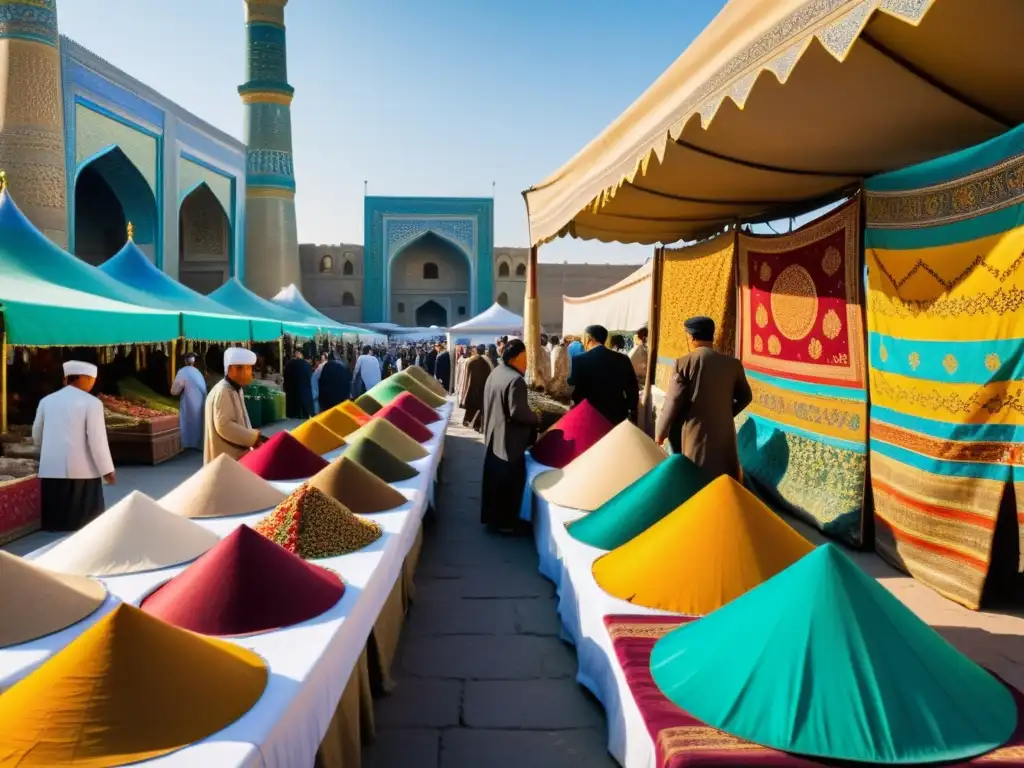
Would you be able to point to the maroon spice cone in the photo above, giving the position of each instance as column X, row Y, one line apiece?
column 414, row 428
column 571, row 436
column 283, row 457
column 415, row 407
column 245, row 584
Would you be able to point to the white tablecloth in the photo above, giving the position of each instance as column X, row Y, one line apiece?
column 310, row 663
column 582, row 606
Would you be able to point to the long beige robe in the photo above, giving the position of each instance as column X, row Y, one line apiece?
column 558, row 383
column 227, row 426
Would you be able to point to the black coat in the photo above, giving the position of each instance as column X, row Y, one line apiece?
column 298, row 389
column 443, row 370
column 430, row 361
column 335, row 384
column 607, row 380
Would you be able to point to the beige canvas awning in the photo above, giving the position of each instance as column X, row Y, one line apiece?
column 789, row 102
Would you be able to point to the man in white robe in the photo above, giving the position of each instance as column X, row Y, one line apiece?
column 228, row 429
column 74, row 456
column 191, row 386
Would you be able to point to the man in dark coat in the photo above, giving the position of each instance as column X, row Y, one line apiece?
column 443, row 367
column 605, row 378
column 509, row 429
column 298, row 388
column 335, row 382
column 706, row 392
column 471, row 396
column 430, row 361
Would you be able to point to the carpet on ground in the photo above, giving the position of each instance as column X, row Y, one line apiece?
column 803, row 439
column 312, row 525
column 717, row 546
column 902, row 693
column 571, row 436
column 245, row 584
column 281, row 458
column 35, row 602
column 356, row 487
column 134, row 535
column 220, row 489
column 390, row 437
column 128, row 689
column 371, row 455
column 317, row 437
column 945, row 259
column 614, row 462
column 639, row 506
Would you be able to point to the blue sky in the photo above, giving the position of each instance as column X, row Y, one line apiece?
column 419, row 97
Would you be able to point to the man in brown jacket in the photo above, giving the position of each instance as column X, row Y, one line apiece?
column 228, row 429
column 706, row 392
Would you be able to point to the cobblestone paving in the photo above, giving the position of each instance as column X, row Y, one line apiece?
column 482, row 676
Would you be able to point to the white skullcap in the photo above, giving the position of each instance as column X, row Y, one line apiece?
column 78, row 368
column 238, row 356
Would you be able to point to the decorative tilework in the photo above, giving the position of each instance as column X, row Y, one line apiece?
column 270, row 162
column 401, row 232
column 191, row 175
column 34, row 20
column 95, row 133
column 267, row 53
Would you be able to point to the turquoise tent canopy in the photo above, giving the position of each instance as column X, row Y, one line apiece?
column 202, row 318
column 291, row 298
column 822, row 660
column 51, row 298
column 237, row 298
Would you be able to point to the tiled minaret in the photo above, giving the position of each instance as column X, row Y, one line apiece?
column 32, row 114
column 271, row 239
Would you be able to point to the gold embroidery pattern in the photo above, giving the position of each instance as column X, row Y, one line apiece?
column 949, row 362
column 758, row 344
column 831, row 261
column 774, row 345
column 951, row 403
column 990, row 189
column 698, row 280
column 948, row 450
column 831, row 325
column 694, row 738
column 1001, row 302
column 794, row 302
column 814, row 349
column 641, row 629
column 913, row 360
column 979, row 263
column 761, row 316
column 765, row 272
column 847, row 416
column 992, row 362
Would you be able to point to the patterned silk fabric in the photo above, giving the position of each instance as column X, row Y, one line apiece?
column 803, row 438
column 945, row 256
column 697, row 280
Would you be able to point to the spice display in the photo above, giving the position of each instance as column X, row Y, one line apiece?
column 312, row 525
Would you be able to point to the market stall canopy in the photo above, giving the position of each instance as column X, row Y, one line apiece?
column 291, row 298
column 625, row 306
column 202, row 318
column 51, row 298
column 493, row 320
column 788, row 103
column 236, row 297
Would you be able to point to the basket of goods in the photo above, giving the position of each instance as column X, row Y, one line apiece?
column 547, row 409
column 135, row 391
column 140, row 434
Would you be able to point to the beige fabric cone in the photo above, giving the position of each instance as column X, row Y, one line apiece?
column 614, row 462
column 387, row 435
column 35, row 602
column 426, row 380
column 134, row 535
column 222, row 488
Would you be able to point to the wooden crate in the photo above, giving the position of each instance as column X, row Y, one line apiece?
column 150, row 442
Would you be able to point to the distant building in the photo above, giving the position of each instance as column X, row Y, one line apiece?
column 431, row 261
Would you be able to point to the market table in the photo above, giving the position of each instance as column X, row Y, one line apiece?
column 310, row 663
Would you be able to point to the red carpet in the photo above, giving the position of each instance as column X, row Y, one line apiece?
column 402, row 419
column 412, row 405
column 245, row 584
column 570, row 436
column 283, row 457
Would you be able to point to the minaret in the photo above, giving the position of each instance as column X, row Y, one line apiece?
column 271, row 239
column 32, row 114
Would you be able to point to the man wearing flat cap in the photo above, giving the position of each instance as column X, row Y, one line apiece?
column 74, row 457
column 706, row 392
column 228, row 429
column 604, row 378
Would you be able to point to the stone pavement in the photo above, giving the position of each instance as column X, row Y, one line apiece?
column 482, row 676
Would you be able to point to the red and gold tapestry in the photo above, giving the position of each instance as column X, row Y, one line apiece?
column 800, row 302
column 803, row 439
column 696, row 280
column 682, row 741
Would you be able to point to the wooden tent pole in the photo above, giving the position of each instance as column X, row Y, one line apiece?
column 173, row 360
column 3, row 383
column 531, row 323
column 653, row 332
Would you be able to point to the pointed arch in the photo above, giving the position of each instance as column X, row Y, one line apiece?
column 396, row 250
column 204, row 239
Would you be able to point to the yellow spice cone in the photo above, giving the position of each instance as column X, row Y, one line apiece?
column 721, row 543
column 318, row 438
column 339, row 422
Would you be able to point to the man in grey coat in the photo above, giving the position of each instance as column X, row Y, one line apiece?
column 509, row 429
column 706, row 392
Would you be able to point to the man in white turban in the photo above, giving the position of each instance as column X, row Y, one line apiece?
column 228, row 429
column 74, row 456
column 190, row 385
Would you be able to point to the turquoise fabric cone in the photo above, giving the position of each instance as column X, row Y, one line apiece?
column 642, row 504
column 823, row 661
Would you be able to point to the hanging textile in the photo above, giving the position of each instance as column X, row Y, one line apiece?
column 803, row 439
column 945, row 256
column 696, row 280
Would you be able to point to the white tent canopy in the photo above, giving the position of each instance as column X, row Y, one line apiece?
column 290, row 297
column 625, row 306
column 495, row 320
